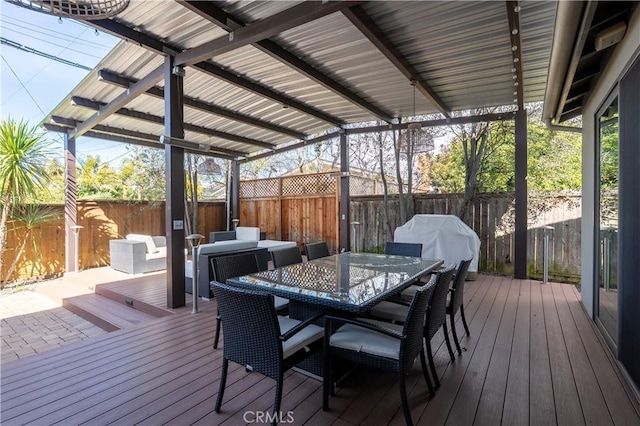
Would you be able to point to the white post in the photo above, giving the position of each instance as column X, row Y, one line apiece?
column 194, row 242
column 545, row 254
column 76, row 238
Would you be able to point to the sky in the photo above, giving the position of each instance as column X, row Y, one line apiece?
column 32, row 85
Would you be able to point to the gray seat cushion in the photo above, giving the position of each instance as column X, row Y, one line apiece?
column 303, row 338
column 360, row 339
column 280, row 302
column 394, row 312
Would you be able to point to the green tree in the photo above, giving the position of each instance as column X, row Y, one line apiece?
column 142, row 174
column 554, row 160
column 98, row 180
column 23, row 150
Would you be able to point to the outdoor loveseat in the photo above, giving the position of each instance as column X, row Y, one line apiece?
column 138, row 253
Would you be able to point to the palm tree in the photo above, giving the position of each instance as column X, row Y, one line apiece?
column 23, row 152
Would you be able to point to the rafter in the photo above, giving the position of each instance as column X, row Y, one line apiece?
column 112, row 78
column 159, row 47
column 391, row 127
column 229, row 23
column 107, row 109
column 363, row 22
column 87, row 103
column 133, row 141
column 268, row 27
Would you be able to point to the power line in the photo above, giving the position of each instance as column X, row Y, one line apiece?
column 40, row 53
column 20, row 81
column 45, row 31
column 52, row 44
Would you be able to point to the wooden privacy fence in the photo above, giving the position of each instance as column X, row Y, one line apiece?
column 101, row 221
column 492, row 220
column 305, row 208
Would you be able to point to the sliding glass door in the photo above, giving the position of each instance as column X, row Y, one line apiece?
column 607, row 196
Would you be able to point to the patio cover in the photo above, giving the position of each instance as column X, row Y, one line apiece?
column 242, row 80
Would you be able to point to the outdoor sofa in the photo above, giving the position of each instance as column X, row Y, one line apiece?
column 250, row 233
column 206, row 252
column 137, row 253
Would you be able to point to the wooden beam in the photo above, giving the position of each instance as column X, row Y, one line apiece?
column 105, row 111
column 513, row 15
column 150, row 141
column 388, row 128
column 345, row 200
column 159, row 47
column 287, row 19
column 520, row 233
column 229, row 23
column 112, row 78
column 87, row 103
column 363, row 22
column 70, row 203
column 175, row 180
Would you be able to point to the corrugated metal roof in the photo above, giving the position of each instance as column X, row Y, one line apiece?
column 461, row 49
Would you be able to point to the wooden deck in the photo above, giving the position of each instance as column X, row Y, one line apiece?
column 533, row 357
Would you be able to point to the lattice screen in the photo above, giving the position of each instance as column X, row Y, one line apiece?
column 308, row 184
column 262, row 188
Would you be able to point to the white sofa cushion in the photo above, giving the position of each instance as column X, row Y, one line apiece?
column 147, row 239
column 272, row 245
column 360, row 339
column 247, row 233
column 226, row 246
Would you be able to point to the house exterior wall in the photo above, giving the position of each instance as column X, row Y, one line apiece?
column 624, row 59
column 626, row 51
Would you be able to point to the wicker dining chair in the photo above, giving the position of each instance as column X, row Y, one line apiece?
column 379, row 345
column 436, row 316
column 286, row 256
column 237, row 265
column 260, row 340
column 316, row 250
column 403, row 249
column 456, row 301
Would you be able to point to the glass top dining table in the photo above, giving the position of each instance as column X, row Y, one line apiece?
column 350, row 282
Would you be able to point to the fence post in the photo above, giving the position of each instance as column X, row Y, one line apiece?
column 548, row 230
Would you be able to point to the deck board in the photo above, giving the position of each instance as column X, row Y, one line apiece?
column 491, row 402
column 619, row 403
column 592, row 401
column 565, row 393
column 542, row 405
column 515, row 410
column 165, row 371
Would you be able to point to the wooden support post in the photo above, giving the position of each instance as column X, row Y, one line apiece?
column 70, row 202
column 174, row 172
column 235, row 189
column 344, row 193
column 520, row 237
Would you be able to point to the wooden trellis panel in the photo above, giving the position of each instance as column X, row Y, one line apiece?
column 261, row 188
column 316, row 184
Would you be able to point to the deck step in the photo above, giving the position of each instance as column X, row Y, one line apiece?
column 104, row 312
